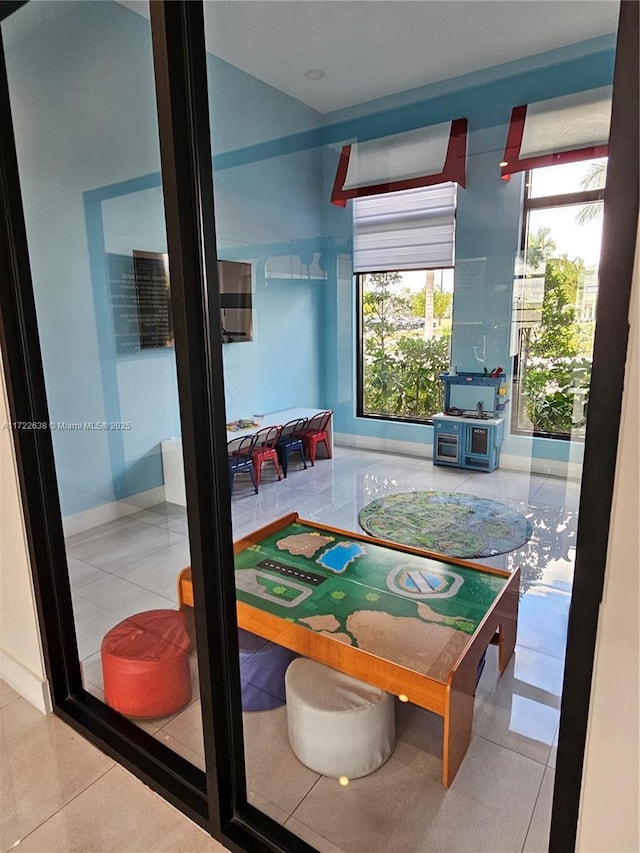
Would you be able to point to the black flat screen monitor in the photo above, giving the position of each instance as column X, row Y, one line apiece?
column 236, row 311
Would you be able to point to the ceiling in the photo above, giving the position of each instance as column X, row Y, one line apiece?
column 372, row 48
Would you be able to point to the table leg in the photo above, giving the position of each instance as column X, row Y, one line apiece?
column 458, row 716
column 507, row 613
column 460, row 696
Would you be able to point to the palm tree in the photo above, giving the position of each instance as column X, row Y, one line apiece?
column 540, row 247
column 593, row 180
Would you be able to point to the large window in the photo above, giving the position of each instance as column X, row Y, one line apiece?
column 554, row 298
column 406, row 340
column 403, row 258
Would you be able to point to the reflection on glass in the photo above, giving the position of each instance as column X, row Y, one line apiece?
column 87, row 142
column 89, row 163
column 533, row 720
column 333, row 334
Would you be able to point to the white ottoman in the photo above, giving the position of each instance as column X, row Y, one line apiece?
column 338, row 726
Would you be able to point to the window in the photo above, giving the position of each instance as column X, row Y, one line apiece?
column 554, row 298
column 403, row 259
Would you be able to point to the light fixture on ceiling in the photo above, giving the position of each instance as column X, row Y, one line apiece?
column 315, row 73
column 503, row 163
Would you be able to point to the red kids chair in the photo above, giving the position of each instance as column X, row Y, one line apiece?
column 265, row 450
column 316, row 432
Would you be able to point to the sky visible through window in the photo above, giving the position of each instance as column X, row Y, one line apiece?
column 571, row 238
column 415, row 280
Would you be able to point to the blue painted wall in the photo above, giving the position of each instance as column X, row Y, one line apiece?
column 488, row 220
column 82, row 120
column 85, row 123
column 266, row 210
column 86, row 130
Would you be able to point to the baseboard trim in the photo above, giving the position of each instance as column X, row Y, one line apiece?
column 551, row 467
column 508, row 461
column 28, row 684
column 382, row 445
column 89, row 518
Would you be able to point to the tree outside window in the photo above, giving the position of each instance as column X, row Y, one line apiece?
column 406, row 336
column 554, row 302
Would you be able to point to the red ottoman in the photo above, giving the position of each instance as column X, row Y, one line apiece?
column 145, row 664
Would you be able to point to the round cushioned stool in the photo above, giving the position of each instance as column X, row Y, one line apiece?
column 262, row 668
column 145, row 664
column 338, row 726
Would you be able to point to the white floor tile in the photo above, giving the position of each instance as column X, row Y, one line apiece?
column 45, row 765
column 538, row 835
column 273, row 771
column 158, row 571
column 123, row 597
column 7, row 694
column 186, row 727
column 500, row 787
column 119, row 813
column 81, row 573
column 114, row 549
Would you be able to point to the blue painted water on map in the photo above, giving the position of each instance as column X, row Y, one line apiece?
column 337, row 559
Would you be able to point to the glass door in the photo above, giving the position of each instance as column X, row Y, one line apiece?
column 320, row 170
column 105, row 270
column 185, row 382
column 86, row 136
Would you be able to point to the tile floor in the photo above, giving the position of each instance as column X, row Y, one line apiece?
column 505, row 784
column 59, row 794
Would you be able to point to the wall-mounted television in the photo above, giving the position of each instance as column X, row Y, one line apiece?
column 236, row 312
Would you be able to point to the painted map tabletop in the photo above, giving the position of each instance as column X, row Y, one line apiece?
column 413, row 610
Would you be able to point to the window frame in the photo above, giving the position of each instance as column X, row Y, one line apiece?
column 529, row 204
column 360, row 412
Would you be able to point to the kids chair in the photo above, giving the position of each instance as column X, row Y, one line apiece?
column 265, row 450
column 239, row 451
column 316, row 432
column 291, row 441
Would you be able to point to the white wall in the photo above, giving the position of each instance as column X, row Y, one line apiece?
column 21, row 663
column 610, row 792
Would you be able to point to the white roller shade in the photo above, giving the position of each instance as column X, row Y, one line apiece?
column 412, row 229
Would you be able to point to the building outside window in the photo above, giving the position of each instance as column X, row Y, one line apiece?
column 554, row 298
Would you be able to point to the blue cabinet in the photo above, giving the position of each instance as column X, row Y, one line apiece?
column 467, row 443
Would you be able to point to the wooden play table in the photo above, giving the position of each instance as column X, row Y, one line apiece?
column 413, row 623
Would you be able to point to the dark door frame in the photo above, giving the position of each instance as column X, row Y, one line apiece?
column 619, row 234
column 217, row 800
